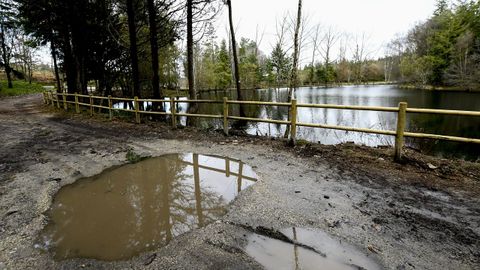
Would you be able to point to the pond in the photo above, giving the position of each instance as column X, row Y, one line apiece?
column 137, row 207
column 369, row 95
column 373, row 95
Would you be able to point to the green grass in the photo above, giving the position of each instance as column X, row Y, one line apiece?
column 19, row 88
column 133, row 157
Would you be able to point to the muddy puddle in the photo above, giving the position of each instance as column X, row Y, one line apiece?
column 137, row 207
column 310, row 249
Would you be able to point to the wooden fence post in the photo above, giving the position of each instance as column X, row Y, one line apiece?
column 293, row 123
column 227, row 167
column 51, row 99
column 401, row 123
column 225, row 116
column 137, row 110
column 58, row 100
column 65, row 105
column 44, row 98
column 173, row 111
column 77, row 106
column 91, row 105
column 110, row 105
column 240, row 174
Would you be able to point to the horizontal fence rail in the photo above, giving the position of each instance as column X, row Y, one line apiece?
column 89, row 101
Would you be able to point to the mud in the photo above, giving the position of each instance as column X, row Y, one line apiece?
column 404, row 216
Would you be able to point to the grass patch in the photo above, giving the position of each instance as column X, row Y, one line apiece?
column 19, row 88
column 133, row 157
column 302, row 142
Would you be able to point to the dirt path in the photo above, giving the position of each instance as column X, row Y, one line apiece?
column 421, row 215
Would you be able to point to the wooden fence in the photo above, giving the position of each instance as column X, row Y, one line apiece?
column 61, row 99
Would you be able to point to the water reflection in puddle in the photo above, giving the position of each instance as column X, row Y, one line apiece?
column 136, row 207
column 326, row 252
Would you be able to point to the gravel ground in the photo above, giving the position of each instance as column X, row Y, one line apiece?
column 424, row 214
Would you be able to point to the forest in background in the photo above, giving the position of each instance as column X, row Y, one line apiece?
column 444, row 50
column 137, row 47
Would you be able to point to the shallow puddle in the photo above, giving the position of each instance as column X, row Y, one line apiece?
column 314, row 249
column 136, row 207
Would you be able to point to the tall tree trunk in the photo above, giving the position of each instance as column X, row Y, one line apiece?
column 132, row 33
column 191, row 80
column 235, row 59
column 312, row 66
column 327, row 66
column 53, row 51
column 157, row 93
column 192, row 92
column 294, row 75
column 81, row 69
column 69, row 64
column 5, row 56
column 30, row 74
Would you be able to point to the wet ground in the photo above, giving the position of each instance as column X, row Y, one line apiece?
column 424, row 214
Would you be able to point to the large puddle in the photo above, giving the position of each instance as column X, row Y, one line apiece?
column 311, row 249
column 137, row 207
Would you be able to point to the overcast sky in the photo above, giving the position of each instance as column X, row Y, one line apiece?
column 381, row 20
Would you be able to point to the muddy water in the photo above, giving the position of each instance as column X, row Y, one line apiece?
column 314, row 249
column 136, row 207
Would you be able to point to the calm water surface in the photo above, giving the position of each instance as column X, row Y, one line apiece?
column 386, row 96
column 377, row 95
column 137, row 207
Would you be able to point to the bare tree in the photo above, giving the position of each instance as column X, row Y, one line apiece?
column 235, row 57
column 330, row 38
column 315, row 40
column 296, row 47
column 394, row 51
column 360, row 55
column 258, row 40
column 344, row 72
column 296, row 51
column 23, row 53
column 303, row 35
column 281, row 28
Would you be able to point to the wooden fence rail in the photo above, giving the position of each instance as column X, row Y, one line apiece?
column 54, row 98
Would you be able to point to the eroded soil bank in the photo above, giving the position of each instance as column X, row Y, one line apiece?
column 424, row 214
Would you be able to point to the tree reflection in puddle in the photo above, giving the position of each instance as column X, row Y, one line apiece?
column 136, row 207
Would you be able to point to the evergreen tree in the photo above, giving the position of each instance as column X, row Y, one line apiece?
column 280, row 65
column 248, row 64
column 223, row 72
